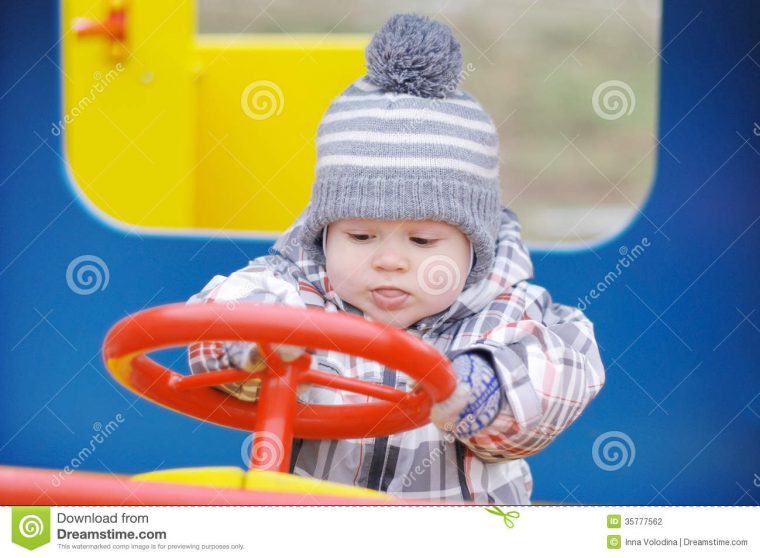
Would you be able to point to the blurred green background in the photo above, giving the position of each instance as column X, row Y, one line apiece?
column 572, row 173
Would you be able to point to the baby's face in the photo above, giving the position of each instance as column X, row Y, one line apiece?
column 397, row 272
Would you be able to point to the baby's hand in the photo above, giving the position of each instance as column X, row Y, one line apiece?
column 246, row 356
column 476, row 400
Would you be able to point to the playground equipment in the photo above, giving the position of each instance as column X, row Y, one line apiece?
column 138, row 185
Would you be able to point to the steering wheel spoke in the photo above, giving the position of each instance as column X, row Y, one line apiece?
column 215, row 378
column 385, row 393
column 271, row 357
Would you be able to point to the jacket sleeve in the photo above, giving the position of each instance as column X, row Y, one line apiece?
column 266, row 280
column 549, row 366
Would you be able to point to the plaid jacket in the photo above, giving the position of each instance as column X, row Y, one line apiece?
column 545, row 355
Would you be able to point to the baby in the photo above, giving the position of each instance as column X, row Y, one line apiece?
column 405, row 227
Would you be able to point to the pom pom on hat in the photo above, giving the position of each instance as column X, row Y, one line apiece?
column 415, row 55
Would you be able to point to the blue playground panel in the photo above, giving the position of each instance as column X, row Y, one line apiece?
column 682, row 361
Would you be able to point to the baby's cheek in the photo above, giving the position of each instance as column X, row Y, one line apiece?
column 342, row 277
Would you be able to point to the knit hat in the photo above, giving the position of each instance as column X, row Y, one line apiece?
column 405, row 143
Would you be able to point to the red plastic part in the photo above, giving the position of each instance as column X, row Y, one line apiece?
column 277, row 415
column 113, row 27
column 24, row 486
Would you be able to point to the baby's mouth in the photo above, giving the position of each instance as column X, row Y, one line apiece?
column 388, row 298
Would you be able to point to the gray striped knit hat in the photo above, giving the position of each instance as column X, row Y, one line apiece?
column 405, row 143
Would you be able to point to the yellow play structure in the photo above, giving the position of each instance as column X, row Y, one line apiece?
column 194, row 131
column 197, row 131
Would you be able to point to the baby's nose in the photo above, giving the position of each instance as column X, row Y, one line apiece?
column 389, row 258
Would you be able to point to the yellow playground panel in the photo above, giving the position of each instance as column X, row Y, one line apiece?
column 194, row 131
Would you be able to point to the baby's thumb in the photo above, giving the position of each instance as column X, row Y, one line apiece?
column 445, row 415
column 289, row 353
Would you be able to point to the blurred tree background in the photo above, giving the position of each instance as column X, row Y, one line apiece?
column 573, row 170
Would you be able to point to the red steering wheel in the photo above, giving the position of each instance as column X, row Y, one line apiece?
column 276, row 416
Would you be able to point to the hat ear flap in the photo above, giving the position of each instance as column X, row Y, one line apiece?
column 324, row 240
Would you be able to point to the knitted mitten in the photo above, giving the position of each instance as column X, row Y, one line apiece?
column 477, row 398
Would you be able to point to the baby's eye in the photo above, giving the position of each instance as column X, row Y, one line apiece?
column 423, row 241
column 359, row 237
